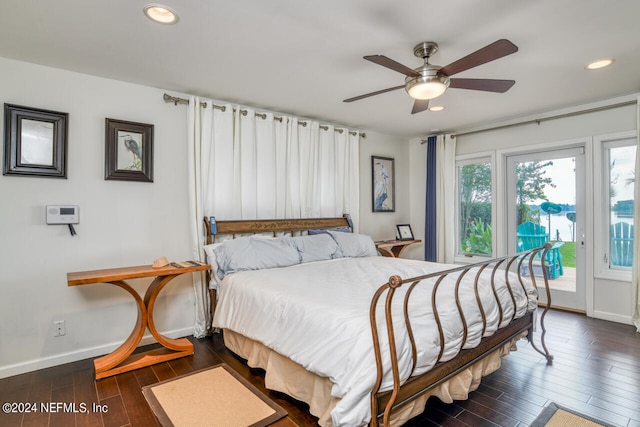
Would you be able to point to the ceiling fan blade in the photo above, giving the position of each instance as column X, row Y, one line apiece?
column 488, row 85
column 391, row 64
column 378, row 92
column 420, row 105
column 495, row 50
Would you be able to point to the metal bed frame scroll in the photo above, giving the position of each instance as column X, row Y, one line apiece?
column 382, row 403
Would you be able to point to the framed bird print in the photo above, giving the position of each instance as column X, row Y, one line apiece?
column 383, row 184
column 128, row 151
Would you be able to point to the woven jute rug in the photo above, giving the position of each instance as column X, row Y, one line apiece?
column 216, row 396
column 557, row 416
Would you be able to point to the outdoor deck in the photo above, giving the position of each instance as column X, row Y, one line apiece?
column 566, row 282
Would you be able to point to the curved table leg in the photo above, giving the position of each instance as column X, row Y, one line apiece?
column 399, row 251
column 150, row 297
column 123, row 359
column 105, row 363
column 386, row 252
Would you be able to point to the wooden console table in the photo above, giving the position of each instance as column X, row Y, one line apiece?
column 394, row 248
column 122, row 359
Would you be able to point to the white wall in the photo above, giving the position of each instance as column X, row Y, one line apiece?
column 121, row 223
column 417, row 205
column 382, row 225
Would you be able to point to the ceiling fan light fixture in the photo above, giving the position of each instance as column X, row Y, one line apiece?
column 426, row 87
column 161, row 14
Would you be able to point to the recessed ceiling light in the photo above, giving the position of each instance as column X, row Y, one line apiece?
column 436, row 108
column 599, row 64
column 161, row 13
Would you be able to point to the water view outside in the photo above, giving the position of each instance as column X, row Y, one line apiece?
column 563, row 228
column 560, row 189
column 621, row 201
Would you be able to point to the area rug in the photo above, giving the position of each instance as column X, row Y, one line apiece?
column 216, row 396
column 558, row 416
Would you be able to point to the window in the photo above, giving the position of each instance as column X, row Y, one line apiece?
column 619, row 158
column 474, row 212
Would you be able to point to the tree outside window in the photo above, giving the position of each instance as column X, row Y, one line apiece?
column 530, row 185
column 475, row 209
column 474, row 198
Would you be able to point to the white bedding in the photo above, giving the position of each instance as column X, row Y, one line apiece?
column 317, row 314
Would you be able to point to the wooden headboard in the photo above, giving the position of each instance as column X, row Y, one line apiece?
column 274, row 226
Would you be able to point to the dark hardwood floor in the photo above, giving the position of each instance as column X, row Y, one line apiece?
column 596, row 371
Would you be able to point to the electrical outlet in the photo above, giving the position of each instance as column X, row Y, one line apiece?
column 58, row 328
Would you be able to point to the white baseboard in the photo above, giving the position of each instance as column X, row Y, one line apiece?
column 86, row 353
column 613, row 317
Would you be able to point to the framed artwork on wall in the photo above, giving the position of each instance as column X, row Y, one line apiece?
column 128, row 151
column 383, row 184
column 35, row 142
column 404, row 232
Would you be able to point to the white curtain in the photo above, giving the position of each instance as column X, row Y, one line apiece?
column 244, row 165
column 194, row 137
column 635, row 274
column 445, row 194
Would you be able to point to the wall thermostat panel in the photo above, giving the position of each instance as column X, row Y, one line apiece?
column 63, row 214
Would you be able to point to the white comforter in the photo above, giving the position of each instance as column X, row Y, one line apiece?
column 317, row 314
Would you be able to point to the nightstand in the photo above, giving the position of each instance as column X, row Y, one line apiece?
column 123, row 359
column 394, row 248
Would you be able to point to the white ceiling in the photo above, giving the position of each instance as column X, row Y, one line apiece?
column 304, row 57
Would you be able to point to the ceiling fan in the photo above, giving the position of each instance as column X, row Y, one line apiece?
column 430, row 81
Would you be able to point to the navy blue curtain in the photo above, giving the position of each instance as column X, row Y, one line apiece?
column 430, row 243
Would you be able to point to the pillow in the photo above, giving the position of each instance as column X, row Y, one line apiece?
column 255, row 253
column 326, row 230
column 211, row 260
column 317, row 247
column 354, row 245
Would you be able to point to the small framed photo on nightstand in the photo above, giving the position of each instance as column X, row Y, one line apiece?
column 404, row 232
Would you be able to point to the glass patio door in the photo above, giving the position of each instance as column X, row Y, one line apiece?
column 545, row 203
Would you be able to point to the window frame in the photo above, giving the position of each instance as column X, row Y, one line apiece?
column 602, row 223
column 464, row 160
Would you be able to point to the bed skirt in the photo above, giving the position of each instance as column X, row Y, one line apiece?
column 286, row 376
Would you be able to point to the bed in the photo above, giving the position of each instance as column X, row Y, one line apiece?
column 358, row 336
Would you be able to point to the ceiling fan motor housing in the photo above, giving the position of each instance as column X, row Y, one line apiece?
column 428, row 85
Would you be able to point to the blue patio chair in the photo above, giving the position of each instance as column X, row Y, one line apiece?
column 531, row 236
column 621, row 246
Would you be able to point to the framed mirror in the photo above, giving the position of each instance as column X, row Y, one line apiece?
column 35, row 142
